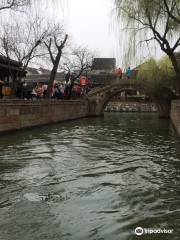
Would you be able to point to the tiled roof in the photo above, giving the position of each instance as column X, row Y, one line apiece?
column 32, row 70
column 6, row 60
column 104, row 64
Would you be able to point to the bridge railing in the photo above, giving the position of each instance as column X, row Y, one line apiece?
column 116, row 82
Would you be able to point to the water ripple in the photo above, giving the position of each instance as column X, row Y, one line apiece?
column 95, row 178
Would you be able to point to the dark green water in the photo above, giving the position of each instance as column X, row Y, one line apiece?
column 94, row 179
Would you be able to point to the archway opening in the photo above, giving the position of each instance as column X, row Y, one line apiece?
column 156, row 100
column 130, row 100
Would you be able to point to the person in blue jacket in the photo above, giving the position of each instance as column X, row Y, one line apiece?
column 129, row 73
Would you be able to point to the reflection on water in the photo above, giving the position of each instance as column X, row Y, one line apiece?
column 97, row 178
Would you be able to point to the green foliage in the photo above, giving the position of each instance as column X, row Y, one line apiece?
column 166, row 70
column 158, row 75
column 148, row 71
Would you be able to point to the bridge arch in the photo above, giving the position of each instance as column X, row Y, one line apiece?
column 123, row 89
column 99, row 97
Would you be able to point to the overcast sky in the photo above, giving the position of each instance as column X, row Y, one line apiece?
column 91, row 24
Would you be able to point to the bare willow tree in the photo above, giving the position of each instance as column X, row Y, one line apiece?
column 153, row 20
column 13, row 4
column 21, row 41
column 55, row 45
column 18, row 5
column 79, row 61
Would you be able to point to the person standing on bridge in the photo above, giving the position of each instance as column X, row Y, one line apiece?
column 118, row 73
column 129, row 73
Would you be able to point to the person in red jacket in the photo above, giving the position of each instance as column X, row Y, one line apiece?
column 119, row 73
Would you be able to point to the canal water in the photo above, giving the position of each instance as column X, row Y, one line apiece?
column 94, row 179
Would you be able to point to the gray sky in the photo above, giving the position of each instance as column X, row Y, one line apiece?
column 91, row 24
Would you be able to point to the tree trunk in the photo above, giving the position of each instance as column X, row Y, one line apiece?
column 55, row 62
column 176, row 69
column 53, row 74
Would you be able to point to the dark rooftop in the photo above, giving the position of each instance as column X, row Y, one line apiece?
column 32, row 70
column 6, row 60
column 43, row 70
column 104, row 63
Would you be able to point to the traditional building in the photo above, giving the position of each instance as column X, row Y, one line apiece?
column 104, row 64
column 41, row 75
column 10, row 72
column 102, row 71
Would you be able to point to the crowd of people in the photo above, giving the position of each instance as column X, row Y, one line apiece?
column 72, row 87
column 67, row 90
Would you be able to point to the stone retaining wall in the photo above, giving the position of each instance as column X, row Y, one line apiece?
column 175, row 114
column 19, row 114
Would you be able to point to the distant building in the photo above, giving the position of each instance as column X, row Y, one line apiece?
column 10, row 71
column 102, row 71
column 43, row 70
column 41, row 75
column 31, row 71
column 104, row 64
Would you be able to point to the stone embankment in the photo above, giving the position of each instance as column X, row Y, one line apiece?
column 131, row 107
column 175, row 114
column 19, row 114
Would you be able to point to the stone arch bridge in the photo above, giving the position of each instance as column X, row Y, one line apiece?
column 98, row 97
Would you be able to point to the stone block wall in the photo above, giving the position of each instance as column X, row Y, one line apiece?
column 175, row 114
column 19, row 114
